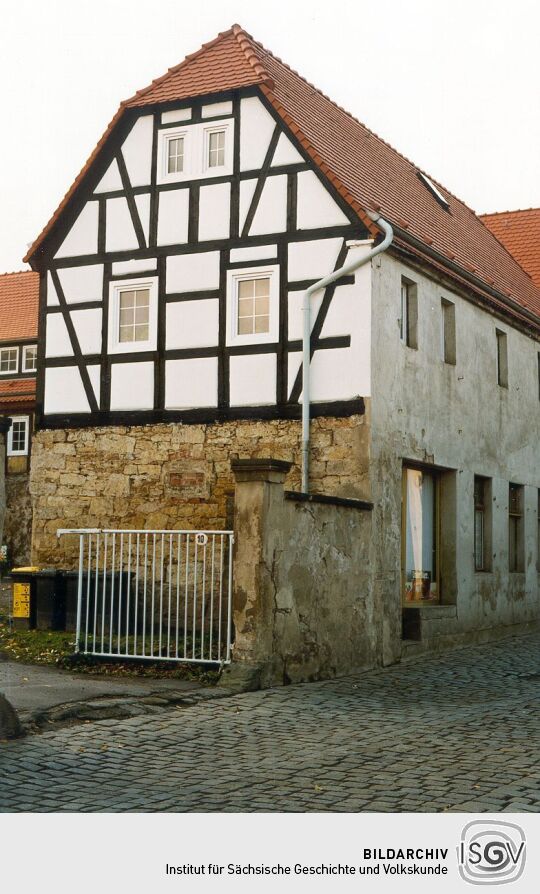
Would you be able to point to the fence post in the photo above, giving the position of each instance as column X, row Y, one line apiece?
column 258, row 484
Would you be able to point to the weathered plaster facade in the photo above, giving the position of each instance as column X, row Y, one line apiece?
column 456, row 418
column 303, row 588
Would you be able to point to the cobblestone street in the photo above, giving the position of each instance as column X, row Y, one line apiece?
column 458, row 732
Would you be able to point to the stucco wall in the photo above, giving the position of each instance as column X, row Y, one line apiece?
column 456, row 417
column 303, row 596
column 173, row 476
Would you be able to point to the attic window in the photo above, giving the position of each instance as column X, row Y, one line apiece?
column 436, row 193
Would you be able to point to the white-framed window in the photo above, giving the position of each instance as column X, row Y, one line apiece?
column 9, row 360
column 195, row 151
column 253, row 305
column 29, row 363
column 133, row 315
column 215, row 147
column 17, row 440
column 175, row 155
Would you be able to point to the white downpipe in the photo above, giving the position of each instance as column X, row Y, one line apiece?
column 306, row 339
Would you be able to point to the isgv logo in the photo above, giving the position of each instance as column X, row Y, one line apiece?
column 491, row 853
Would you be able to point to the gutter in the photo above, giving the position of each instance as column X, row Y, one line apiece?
column 306, row 338
column 473, row 280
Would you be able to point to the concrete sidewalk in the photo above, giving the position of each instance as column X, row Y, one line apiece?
column 43, row 696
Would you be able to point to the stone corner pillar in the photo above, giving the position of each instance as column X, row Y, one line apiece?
column 271, row 471
column 10, row 727
column 258, row 489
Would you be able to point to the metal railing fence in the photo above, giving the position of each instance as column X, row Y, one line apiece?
column 154, row 594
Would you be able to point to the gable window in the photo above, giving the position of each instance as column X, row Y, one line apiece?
column 253, row 305
column 195, row 151
column 448, row 331
column 133, row 316
column 216, row 149
column 175, row 155
column 9, row 360
column 502, row 358
column 515, row 528
column 17, row 441
column 29, row 363
column 408, row 323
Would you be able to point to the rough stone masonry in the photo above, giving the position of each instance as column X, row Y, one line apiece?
column 173, row 475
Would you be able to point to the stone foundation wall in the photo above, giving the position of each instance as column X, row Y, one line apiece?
column 18, row 520
column 174, row 476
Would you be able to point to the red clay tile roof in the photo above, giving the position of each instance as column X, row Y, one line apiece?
column 19, row 297
column 225, row 63
column 519, row 232
column 17, row 391
column 364, row 169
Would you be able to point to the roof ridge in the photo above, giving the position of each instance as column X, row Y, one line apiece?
column 186, row 61
column 361, row 123
column 515, row 211
column 244, row 39
column 18, row 272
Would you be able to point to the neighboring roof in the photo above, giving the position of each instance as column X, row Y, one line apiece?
column 17, row 391
column 365, row 170
column 519, row 232
column 19, row 298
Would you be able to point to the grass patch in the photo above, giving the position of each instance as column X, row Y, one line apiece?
column 56, row 648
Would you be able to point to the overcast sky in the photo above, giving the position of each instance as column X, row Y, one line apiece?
column 453, row 84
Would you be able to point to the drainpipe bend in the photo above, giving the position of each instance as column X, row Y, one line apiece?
column 306, row 337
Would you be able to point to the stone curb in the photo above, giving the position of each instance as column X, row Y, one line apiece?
column 115, row 708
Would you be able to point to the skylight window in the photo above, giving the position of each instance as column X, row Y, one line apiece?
column 433, row 190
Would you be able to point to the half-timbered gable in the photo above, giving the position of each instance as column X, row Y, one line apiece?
column 173, row 277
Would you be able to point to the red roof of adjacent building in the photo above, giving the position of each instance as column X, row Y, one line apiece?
column 365, row 170
column 519, row 232
column 19, row 298
column 17, row 391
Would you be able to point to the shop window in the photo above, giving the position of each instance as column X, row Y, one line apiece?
column 516, row 543
column 420, row 537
